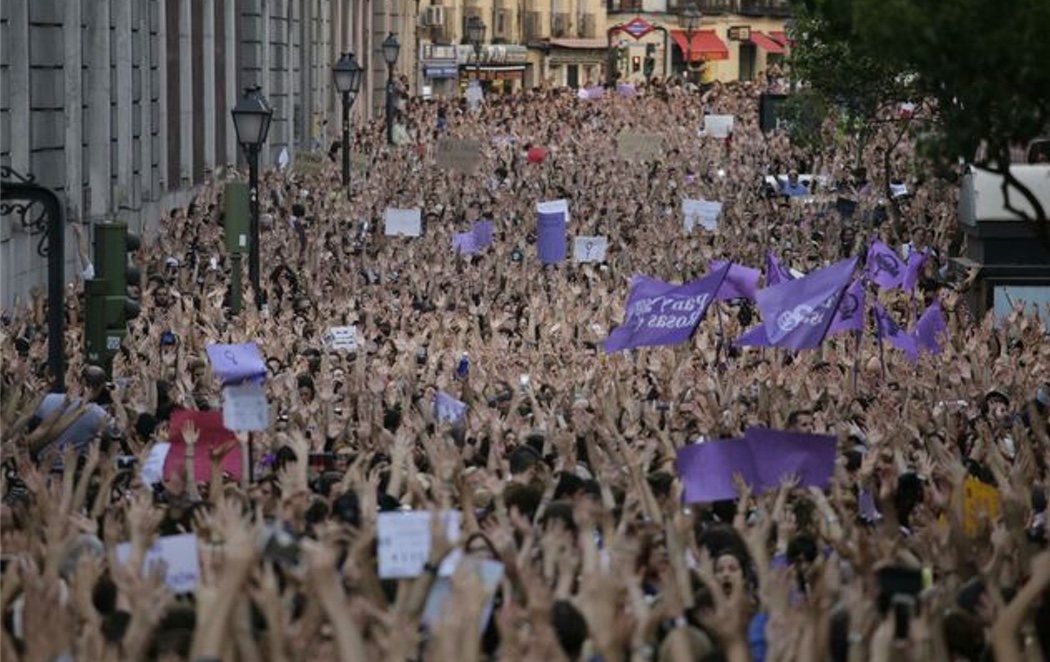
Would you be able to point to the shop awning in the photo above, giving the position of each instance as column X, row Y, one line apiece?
column 706, row 45
column 781, row 37
column 766, row 43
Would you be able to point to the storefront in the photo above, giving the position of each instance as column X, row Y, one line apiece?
column 501, row 67
column 439, row 68
column 576, row 62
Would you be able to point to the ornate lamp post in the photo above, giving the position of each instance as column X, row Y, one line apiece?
column 251, row 120
column 347, row 74
column 391, row 48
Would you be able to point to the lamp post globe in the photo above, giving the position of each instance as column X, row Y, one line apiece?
column 347, row 75
column 476, row 35
column 251, row 122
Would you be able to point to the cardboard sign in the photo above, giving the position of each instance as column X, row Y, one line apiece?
column 590, row 249
column 700, row 212
column 462, row 156
column 403, row 222
column 403, row 543
column 635, row 146
column 179, row 553
column 980, row 501
column 244, row 408
column 718, row 126
column 342, row 338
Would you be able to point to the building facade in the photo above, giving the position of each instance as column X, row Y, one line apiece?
column 123, row 106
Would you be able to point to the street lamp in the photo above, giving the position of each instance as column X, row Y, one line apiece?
column 691, row 19
column 476, row 35
column 347, row 74
column 391, row 48
column 251, row 121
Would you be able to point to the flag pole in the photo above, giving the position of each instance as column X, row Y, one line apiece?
column 858, row 336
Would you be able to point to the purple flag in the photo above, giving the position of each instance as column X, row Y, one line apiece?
column 755, row 337
column 551, row 224
column 595, row 92
column 626, row 90
column 448, row 409
column 929, row 328
column 741, row 283
column 464, row 243
column 763, row 458
column 707, row 469
column 797, row 313
column 660, row 313
column 236, row 363
column 884, row 266
column 483, row 233
column 916, row 260
column 776, row 273
column 849, row 316
column 887, row 329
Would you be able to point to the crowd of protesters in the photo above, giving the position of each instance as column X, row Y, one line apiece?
column 563, row 466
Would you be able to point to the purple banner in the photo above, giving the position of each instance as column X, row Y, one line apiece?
column 797, row 313
column 776, row 272
column 887, row 329
column 482, row 234
column 660, row 313
column 464, row 243
column 626, row 90
column 741, row 282
column 763, row 458
column 930, row 327
column 551, row 224
column 849, row 316
column 884, row 266
column 916, row 261
column 233, row 364
column 754, row 337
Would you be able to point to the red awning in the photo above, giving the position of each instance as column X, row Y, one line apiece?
column 765, row 43
column 781, row 37
column 706, row 45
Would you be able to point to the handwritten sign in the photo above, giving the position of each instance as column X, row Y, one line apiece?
column 462, row 156
column 244, row 408
column 590, row 249
column 403, row 543
column 179, row 553
column 718, row 126
column 236, row 363
column 632, row 145
column 403, row 222
column 700, row 212
column 980, row 501
column 342, row 338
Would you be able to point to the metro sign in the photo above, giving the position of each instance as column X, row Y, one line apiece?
column 638, row 27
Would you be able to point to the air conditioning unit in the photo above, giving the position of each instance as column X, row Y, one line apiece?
column 433, row 16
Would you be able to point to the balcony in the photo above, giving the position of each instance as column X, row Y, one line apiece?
column 560, row 25
column 779, row 8
column 534, row 28
column 588, row 28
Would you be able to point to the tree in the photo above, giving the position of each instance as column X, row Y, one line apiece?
column 981, row 63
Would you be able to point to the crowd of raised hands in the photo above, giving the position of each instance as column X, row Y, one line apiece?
column 562, row 468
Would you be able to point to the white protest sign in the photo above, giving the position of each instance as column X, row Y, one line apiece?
column 283, row 159
column 403, row 543
column 590, row 249
column 153, row 467
column 460, row 155
column 718, row 126
column 700, row 212
column 244, row 408
column 179, row 553
column 342, row 337
column 644, row 146
column 403, row 222
column 898, row 190
column 488, row 571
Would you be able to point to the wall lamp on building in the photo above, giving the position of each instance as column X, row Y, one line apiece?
column 251, row 121
column 476, row 35
column 347, row 74
column 391, row 49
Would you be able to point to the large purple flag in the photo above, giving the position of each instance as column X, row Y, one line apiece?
column 797, row 314
column 849, row 316
column 884, row 266
column 551, row 222
column 776, row 272
column 660, row 313
column 916, row 260
column 740, row 283
column 929, row 328
column 887, row 329
column 763, row 458
column 464, row 242
column 754, row 337
column 236, row 363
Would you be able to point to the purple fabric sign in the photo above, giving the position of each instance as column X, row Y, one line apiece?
column 755, row 337
column 464, row 243
column 626, row 90
column 447, row 409
column 551, row 224
column 849, row 316
column 236, row 363
column 740, row 283
column 930, row 327
column 797, row 313
column 776, row 273
column 660, row 313
column 916, row 260
column 884, row 266
column 482, row 234
column 887, row 329
column 763, row 458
